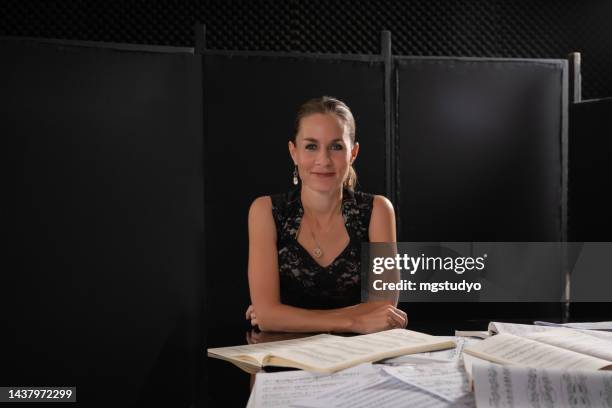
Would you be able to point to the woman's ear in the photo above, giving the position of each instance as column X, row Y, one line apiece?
column 292, row 151
column 354, row 151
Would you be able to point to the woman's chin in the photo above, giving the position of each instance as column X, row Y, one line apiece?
column 324, row 186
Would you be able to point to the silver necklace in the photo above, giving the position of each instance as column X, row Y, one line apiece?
column 317, row 251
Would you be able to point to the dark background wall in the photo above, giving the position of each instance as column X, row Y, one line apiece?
column 101, row 281
column 478, row 28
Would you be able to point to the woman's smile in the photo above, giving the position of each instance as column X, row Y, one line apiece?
column 324, row 174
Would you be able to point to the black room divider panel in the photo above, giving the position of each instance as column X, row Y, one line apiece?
column 250, row 105
column 590, row 217
column 481, row 149
column 590, row 152
column 481, row 156
column 106, row 240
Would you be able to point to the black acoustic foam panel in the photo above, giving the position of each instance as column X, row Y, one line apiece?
column 478, row 28
column 106, row 226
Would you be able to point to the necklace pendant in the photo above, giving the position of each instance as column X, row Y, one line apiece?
column 317, row 252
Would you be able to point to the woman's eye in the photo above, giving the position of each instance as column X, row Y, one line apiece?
column 311, row 146
column 337, row 146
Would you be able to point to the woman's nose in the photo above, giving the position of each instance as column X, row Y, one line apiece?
column 323, row 157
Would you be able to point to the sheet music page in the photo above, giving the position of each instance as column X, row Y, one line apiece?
column 468, row 363
column 521, row 329
column 510, row 349
column 333, row 350
column 577, row 341
column 262, row 349
column 386, row 392
column 605, row 335
column 441, row 356
column 607, row 326
column 499, row 386
column 527, row 329
column 446, row 380
column 284, row 388
column 251, row 401
column 473, row 333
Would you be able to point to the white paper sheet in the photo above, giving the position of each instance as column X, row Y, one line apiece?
column 386, row 392
column 251, row 401
column 607, row 326
column 442, row 356
column 468, row 363
column 510, row 349
column 473, row 333
column 446, row 380
column 499, row 386
column 281, row 389
column 521, row 329
column 528, row 329
column 577, row 341
column 327, row 353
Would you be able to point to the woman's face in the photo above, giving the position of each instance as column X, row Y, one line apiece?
column 323, row 152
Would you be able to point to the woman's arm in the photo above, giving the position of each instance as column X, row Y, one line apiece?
column 382, row 230
column 264, row 286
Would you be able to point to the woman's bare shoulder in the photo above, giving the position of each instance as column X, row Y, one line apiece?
column 382, row 205
column 382, row 223
column 260, row 204
column 260, row 215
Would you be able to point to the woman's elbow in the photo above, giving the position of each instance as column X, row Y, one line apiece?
column 268, row 325
column 267, row 319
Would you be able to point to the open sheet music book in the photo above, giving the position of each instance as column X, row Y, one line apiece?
column 326, row 353
column 524, row 330
column 544, row 350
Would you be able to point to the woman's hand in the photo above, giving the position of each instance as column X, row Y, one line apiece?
column 250, row 315
column 376, row 316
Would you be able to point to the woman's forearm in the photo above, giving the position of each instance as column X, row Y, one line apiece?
column 283, row 318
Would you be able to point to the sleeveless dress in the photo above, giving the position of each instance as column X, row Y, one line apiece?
column 303, row 282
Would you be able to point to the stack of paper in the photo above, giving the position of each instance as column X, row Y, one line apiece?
column 444, row 385
column 515, row 366
column 428, row 379
column 541, row 366
column 512, row 386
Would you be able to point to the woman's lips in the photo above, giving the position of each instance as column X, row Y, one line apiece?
column 331, row 174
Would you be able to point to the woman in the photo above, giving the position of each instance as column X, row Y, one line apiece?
column 304, row 247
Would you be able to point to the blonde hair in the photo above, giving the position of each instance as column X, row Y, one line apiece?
column 324, row 105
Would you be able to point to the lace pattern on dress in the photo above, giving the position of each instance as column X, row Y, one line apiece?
column 305, row 283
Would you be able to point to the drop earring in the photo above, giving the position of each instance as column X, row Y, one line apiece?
column 295, row 176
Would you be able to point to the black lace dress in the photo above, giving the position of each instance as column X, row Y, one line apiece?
column 303, row 282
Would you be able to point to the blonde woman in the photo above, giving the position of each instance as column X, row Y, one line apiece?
column 305, row 246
